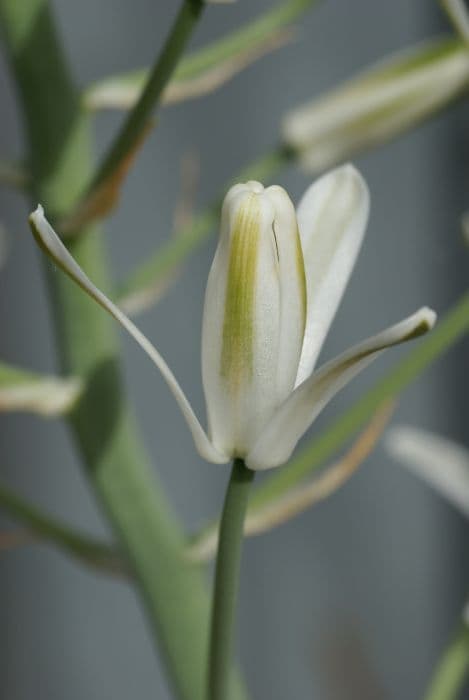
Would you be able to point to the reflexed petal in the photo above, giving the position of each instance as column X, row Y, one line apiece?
column 53, row 246
column 254, row 316
column 293, row 418
column 442, row 463
column 332, row 217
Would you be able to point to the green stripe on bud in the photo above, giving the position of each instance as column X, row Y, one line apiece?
column 238, row 324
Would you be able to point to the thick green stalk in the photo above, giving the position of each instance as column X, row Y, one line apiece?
column 226, row 580
column 150, row 536
column 452, row 669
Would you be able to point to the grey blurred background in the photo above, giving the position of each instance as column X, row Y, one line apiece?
column 355, row 599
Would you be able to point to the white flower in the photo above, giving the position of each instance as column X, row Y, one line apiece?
column 275, row 284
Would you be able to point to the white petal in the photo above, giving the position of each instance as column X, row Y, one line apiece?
column 332, row 217
column 293, row 291
column 53, row 246
column 293, row 418
column 442, row 463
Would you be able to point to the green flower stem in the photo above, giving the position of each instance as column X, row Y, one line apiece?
column 89, row 551
column 452, row 669
column 130, row 133
column 151, row 538
column 226, row 580
column 172, row 254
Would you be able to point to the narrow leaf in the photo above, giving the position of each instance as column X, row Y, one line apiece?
column 26, row 391
column 296, row 499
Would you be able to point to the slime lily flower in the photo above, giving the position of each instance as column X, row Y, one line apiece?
column 274, row 287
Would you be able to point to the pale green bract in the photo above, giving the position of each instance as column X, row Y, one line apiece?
column 274, row 287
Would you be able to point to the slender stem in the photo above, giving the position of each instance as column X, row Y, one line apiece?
column 452, row 669
column 166, row 62
column 226, row 579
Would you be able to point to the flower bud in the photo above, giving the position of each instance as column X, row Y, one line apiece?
column 254, row 315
